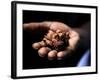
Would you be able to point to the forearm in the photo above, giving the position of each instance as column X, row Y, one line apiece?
column 84, row 32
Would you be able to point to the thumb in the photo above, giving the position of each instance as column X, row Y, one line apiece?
column 37, row 25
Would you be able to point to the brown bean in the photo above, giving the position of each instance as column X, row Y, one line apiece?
column 42, row 43
column 58, row 31
column 50, row 33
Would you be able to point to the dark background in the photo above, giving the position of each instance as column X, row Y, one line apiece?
column 31, row 59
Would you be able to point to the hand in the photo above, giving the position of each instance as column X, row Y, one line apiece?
column 47, row 26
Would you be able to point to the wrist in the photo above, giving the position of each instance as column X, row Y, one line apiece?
column 84, row 42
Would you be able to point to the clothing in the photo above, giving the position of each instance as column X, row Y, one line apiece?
column 85, row 60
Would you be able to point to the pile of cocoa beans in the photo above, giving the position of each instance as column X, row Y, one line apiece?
column 53, row 40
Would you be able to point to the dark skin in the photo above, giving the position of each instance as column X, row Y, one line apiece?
column 77, row 37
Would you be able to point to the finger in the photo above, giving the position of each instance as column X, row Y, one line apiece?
column 36, row 45
column 31, row 26
column 61, row 55
column 37, row 25
column 52, row 54
column 65, row 54
column 43, row 51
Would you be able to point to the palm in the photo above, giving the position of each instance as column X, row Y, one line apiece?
column 73, row 36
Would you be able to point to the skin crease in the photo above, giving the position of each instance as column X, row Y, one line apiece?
column 74, row 38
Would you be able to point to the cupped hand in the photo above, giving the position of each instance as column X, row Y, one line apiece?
column 51, row 28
